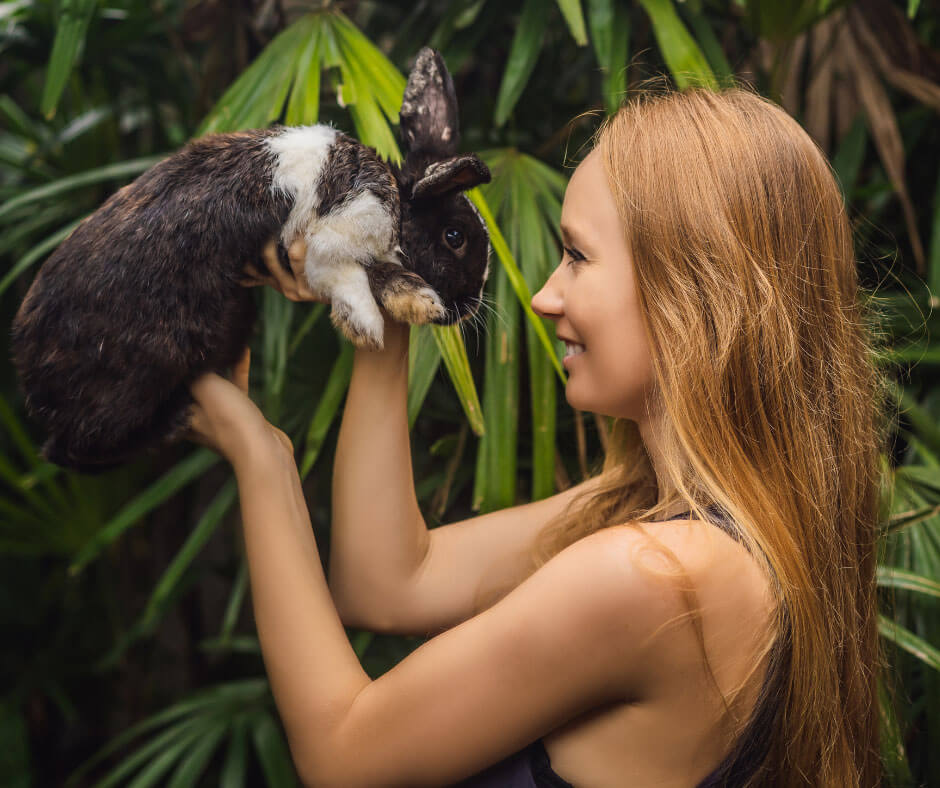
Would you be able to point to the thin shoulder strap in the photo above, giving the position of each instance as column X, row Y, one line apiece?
column 746, row 757
column 718, row 517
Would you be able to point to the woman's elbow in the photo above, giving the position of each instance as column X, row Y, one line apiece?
column 314, row 775
column 356, row 617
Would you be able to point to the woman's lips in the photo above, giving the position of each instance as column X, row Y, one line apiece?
column 572, row 351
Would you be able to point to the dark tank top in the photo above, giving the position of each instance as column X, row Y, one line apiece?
column 531, row 767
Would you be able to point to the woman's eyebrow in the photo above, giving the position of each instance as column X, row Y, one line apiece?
column 569, row 235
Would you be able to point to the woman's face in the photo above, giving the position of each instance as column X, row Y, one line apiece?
column 591, row 298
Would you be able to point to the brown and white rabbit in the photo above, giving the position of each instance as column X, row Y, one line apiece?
column 144, row 296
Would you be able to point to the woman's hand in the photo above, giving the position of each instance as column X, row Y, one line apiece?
column 293, row 286
column 226, row 420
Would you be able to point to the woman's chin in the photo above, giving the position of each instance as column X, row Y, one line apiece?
column 575, row 400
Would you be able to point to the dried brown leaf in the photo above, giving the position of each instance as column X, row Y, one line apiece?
column 914, row 85
column 899, row 40
column 885, row 131
column 818, row 115
column 792, row 68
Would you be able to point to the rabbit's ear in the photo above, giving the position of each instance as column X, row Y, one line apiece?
column 428, row 115
column 456, row 174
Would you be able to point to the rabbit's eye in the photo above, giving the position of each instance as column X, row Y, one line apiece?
column 453, row 237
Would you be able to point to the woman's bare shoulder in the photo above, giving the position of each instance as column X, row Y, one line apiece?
column 727, row 580
column 732, row 591
column 698, row 544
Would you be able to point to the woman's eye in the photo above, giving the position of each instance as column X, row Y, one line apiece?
column 453, row 237
column 575, row 255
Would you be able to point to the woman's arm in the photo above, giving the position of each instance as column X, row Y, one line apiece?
column 571, row 637
column 313, row 671
column 387, row 571
column 378, row 536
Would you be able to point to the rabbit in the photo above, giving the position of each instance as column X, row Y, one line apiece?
column 147, row 294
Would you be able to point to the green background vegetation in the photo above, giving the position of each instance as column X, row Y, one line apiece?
column 129, row 654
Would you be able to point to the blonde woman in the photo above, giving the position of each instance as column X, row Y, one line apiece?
column 701, row 612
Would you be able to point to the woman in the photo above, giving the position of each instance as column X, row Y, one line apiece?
column 702, row 611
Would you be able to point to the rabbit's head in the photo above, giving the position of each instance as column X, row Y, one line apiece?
column 443, row 237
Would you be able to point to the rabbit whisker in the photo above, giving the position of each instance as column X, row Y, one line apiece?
column 478, row 321
column 495, row 311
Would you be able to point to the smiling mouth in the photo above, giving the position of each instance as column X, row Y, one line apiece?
column 573, row 349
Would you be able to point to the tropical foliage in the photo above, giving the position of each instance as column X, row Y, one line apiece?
column 129, row 654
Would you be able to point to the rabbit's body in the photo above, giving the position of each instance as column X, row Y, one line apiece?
column 116, row 331
column 144, row 296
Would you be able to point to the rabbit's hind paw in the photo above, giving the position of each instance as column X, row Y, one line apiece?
column 368, row 333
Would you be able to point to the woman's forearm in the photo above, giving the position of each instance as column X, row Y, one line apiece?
column 314, row 672
column 378, row 535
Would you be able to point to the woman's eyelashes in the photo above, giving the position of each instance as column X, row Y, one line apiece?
column 574, row 254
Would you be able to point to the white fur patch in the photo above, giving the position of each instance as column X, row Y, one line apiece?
column 486, row 271
column 360, row 228
column 340, row 244
column 300, row 154
column 347, row 284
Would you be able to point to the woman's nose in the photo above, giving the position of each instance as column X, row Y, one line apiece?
column 547, row 302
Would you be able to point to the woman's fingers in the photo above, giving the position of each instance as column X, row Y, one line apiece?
column 254, row 277
column 287, row 281
column 297, row 256
column 199, row 429
column 293, row 283
column 195, row 422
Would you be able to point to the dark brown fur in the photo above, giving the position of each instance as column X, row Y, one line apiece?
column 453, row 274
column 97, row 314
column 355, row 168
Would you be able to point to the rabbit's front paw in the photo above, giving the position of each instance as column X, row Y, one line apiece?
column 363, row 331
column 406, row 296
column 416, row 306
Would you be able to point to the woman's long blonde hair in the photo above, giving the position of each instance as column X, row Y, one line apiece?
column 772, row 404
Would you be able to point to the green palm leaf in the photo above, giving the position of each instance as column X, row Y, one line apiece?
column 327, row 407
column 609, row 23
column 571, row 11
column 57, row 188
column 683, row 56
column 908, row 641
column 272, row 752
column 527, row 197
column 173, row 480
column 236, row 758
column 891, row 577
column 424, row 359
column 522, row 56
column 74, row 16
column 200, row 712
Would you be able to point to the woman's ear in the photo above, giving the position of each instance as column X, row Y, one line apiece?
column 456, row 174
